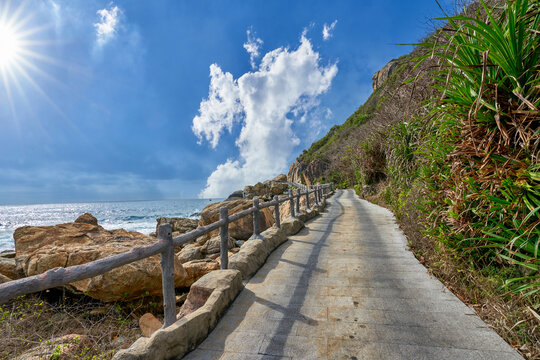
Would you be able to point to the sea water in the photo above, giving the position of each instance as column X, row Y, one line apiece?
column 130, row 215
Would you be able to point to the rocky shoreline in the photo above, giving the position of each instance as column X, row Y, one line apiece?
column 41, row 248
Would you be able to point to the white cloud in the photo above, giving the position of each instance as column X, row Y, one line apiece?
column 109, row 20
column 287, row 82
column 252, row 47
column 327, row 30
column 221, row 108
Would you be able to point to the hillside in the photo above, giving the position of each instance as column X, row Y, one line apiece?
column 450, row 141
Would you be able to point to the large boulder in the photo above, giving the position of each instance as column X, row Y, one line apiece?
column 179, row 225
column 238, row 194
column 266, row 190
column 280, row 177
column 41, row 248
column 242, row 228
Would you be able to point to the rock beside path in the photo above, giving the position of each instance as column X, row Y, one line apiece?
column 41, row 248
column 179, row 225
column 241, row 229
column 149, row 324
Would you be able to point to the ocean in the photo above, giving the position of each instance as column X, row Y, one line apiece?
column 130, row 215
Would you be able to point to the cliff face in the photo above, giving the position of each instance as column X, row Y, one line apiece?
column 337, row 156
column 382, row 75
column 307, row 173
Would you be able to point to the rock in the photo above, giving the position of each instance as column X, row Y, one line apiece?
column 205, row 286
column 196, row 269
column 213, row 245
column 87, row 218
column 8, row 254
column 295, row 172
column 382, row 75
column 64, row 347
column 190, row 253
column 280, row 177
column 274, row 237
column 250, row 257
column 195, row 214
column 4, row 279
column 291, row 226
column 300, row 172
column 179, row 225
column 181, row 298
column 238, row 194
column 241, row 229
column 149, row 324
column 265, row 191
column 183, row 336
column 41, row 248
column 239, row 243
column 8, row 267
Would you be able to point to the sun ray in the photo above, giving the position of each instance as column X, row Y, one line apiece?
column 20, row 57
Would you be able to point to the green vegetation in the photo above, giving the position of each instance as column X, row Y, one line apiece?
column 451, row 143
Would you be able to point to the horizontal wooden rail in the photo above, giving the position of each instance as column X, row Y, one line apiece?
column 62, row 276
column 165, row 246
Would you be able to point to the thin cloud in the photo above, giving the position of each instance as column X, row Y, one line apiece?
column 106, row 28
column 287, row 83
column 327, row 30
column 252, row 47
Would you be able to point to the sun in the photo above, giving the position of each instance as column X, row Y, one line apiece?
column 10, row 46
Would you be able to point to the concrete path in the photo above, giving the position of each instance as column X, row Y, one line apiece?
column 346, row 287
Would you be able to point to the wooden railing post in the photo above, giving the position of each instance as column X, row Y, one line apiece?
column 316, row 195
column 307, row 199
column 256, row 231
column 291, row 203
column 224, row 237
column 298, row 194
column 167, row 275
column 276, row 211
column 320, row 193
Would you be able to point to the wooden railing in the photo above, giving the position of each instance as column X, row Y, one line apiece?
column 165, row 246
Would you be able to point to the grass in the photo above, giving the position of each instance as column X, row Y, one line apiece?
column 33, row 321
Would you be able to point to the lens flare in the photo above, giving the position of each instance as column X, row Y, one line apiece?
column 10, row 46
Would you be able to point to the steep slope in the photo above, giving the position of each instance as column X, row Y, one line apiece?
column 452, row 145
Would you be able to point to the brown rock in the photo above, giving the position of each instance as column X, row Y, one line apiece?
column 198, row 268
column 40, row 248
column 213, row 245
column 241, row 229
column 149, row 324
column 179, row 225
column 8, row 267
column 87, row 218
column 4, row 279
column 280, row 177
column 190, row 253
column 382, row 75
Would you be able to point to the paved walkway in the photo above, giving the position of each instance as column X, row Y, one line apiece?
column 346, row 287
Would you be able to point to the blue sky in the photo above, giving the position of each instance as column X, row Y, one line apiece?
column 129, row 100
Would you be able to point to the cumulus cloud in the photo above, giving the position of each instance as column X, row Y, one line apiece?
column 266, row 103
column 327, row 30
column 252, row 47
column 107, row 26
